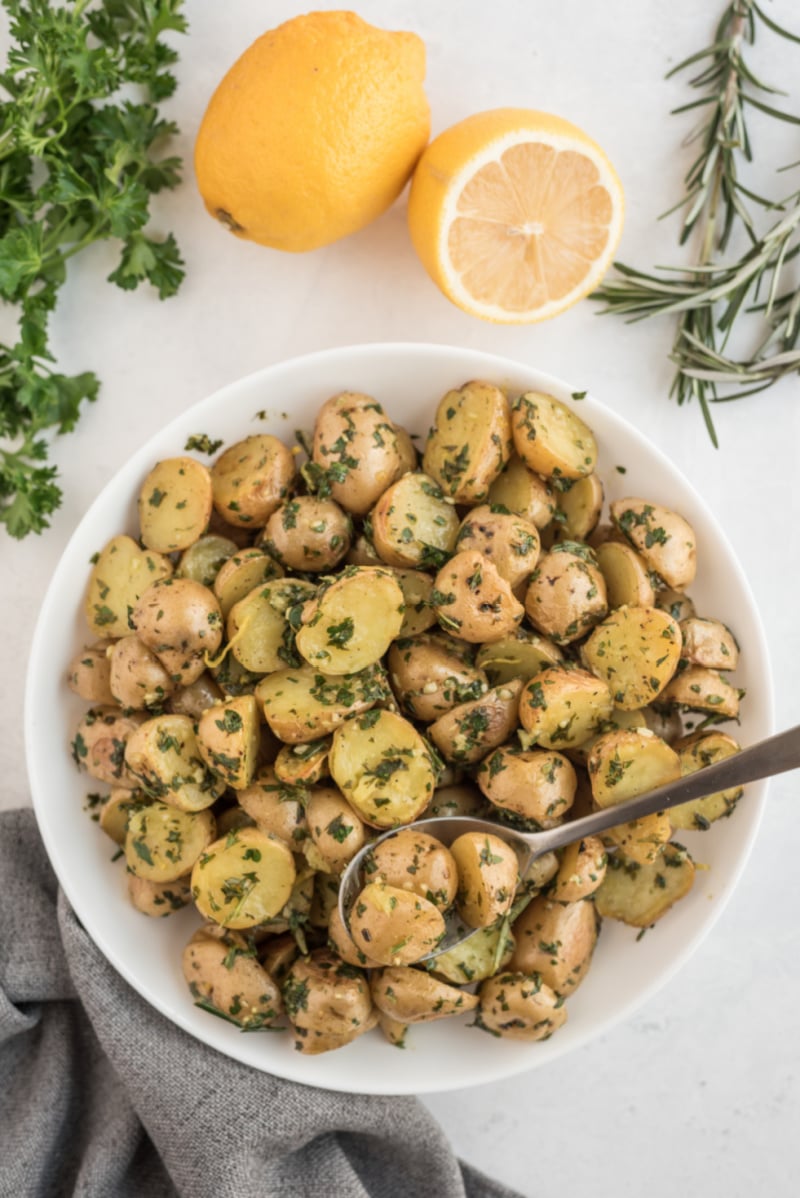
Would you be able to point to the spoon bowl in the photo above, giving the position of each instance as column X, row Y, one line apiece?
column 775, row 755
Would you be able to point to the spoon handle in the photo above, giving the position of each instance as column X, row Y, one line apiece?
column 769, row 757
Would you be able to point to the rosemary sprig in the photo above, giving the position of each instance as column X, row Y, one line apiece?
column 709, row 297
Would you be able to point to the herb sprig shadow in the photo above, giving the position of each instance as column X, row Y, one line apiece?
column 709, row 296
column 78, row 165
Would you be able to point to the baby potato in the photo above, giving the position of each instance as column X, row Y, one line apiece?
column 509, row 542
column 473, row 601
column 244, row 879
column 174, row 504
column 89, row 674
column 636, row 650
column 456, row 799
column 383, row 767
column 550, row 438
column 326, row 1000
column 163, row 754
column 581, row 870
column 625, row 763
column 520, row 1007
column 250, row 479
column 228, row 737
column 309, row 534
column 276, row 808
column 468, row 732
column 413, row 996
column 158, row 899
column 566, row 594
column 394, row 926
column 203, row 559
column 334, row 827
column 519, row 655
column 626, row 576
column 178, row 617
column 478, row 957
column 488, row 873
column 418, row 615
column 633, row 720
column 302, row 705
column 414, row 861
column 407, row 450
column 241, row 574
column 121, row 574
column 260, row 636
column 579, row 508
column 432, row 673
column 162, row 844
column 555, row 941
column 137, row 679
column 664, row 539
column 99, row 744
column 224, row 973
column 695, row 752
column 708, row 643
column 523, row 493
column 413, row 524
column 197, row 697
column 342, row 943
column 356, row 451
column 562, row 708
column 699, row 689
column 535, row 784
column 351, row 624
column 470, row 441
column 302, row 764
column 393, row 1031
column 639, row 895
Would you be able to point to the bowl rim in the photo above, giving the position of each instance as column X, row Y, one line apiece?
column 479, row 361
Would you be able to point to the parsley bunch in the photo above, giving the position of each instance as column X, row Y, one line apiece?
column 78, row 165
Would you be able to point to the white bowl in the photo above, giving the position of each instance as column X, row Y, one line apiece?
column 408, row 379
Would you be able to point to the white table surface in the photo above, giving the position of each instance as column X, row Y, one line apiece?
column 700, row 1089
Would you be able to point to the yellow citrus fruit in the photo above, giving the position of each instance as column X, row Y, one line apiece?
column 515, row 214
column 314, row 131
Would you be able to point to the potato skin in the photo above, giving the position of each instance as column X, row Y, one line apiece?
column 581, row 870
column 88, row 675
column 472, row 601
column 228, row 737
column 99, row 744
column 511, row 543
column 414, row 525
column 664, row 539
column 137, row 679
column 566, row 594
column 432, row 673
column 414, row 861
column 468, row 732
column 308, row 534
column 180, row 616
column 488, row 872
column 334, row 827
column 551, row 438
column 470, row 441
column 555, row 940
column 412, row 996
column 120, row 576
column 222, row 970
column 158, row 899
column 250, row 479
column 561, row 708
column 324, row 995
column 355, row 450
column 520, row 1007
column 536, row 784
column 393, row 926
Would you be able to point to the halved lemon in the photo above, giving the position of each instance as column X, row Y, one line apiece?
column 515, row 214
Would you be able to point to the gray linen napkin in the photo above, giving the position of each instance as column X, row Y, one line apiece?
column 101, row 1096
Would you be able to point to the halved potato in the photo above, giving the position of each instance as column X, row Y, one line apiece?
column 244, row 879
column 121, row 574
column 99, row 744
column 394, row 926
column 636, row 651
column 535, row 784
column 488, row 873
column 175, row 504
column 511, row 543
column 468, row 732
column 137, row 679
column 158, row 899
column 478, row 957
column 432, row 673
column 470, row 441
column 556, row 941
column 277, row 808
column 551, row 438
column 351, row 624
column 625, row 763
column 414, row 861
column 581, row 870
column 336, row 830
column 520, row 1007
column 418, row 615
column 413, row 523
column 383, row 767
column 562, row 708
column 308, row 534
column 162, row 844
column 579, row 508
column 229, row 737
column 241, row 574
column 164, row 756
column 302, row 705
column 695, row 753
column 679, row 606
column 205, row 557
column 640, row 895
column 628, row 582
column 302, row 764
column 566, row 594
column 709, row 643
column 664, row 539
column 251, row 478
column 413, row 996
column 473, row 601
column 224, row 973
column 520, row 655
column 699, row 689
column 260, row 635
column 89, row 673
column 520, row 491
column 355, row 455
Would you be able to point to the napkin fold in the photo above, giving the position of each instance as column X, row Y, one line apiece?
column 101, row 1096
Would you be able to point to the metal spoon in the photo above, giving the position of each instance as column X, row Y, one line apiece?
column 769, row 757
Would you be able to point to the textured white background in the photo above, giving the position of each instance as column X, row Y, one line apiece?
column 700, row 1091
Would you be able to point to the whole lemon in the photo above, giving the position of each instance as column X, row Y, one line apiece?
column 314, row 131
